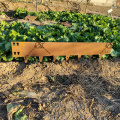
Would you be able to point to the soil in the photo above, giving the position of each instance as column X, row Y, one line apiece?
column 60, row 6
column 80, row 90
column 74, row 90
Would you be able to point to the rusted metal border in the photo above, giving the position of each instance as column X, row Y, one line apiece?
column 41, row 49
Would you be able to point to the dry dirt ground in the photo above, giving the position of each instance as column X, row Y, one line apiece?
column 74, row 90
column 60, row 6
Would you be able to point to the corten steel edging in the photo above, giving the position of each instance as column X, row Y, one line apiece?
column 26, row 49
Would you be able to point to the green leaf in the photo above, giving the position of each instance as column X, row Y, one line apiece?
column 39, row 27
column 9, row 57
column 51, row 39
column 1, row 44
column 74, row 26
column 7, row 46
column 105, row 56
column 114, row 53
column 84, row 25
column 9, row 106
column 45, row 59
column 19, row 116
column 60, row 58
column 86, row 56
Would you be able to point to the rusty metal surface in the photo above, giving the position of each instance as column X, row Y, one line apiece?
column 40, row 49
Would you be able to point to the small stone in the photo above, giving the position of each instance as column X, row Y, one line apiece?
column 43, row 80
column 37, row 68
column 44, row 105
column 40, row 107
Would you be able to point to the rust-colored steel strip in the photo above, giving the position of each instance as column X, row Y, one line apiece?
column 40, row 49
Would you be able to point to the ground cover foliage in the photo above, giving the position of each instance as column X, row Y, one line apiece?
column 85, row 28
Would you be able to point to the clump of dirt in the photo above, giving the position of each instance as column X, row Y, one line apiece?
column 62, row 90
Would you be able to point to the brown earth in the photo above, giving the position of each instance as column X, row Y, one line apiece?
column 75, row 90
column 60, row 6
